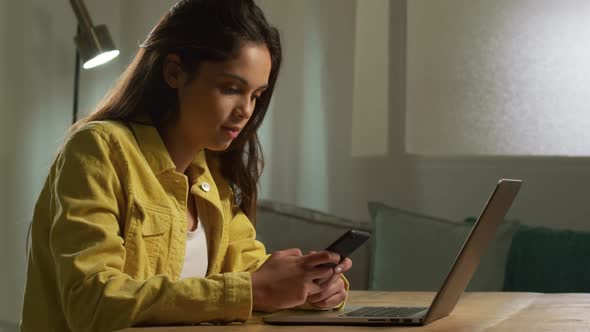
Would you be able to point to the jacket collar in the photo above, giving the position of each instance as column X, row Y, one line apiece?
column 152, row 147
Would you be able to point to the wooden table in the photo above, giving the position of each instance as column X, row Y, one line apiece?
column 474, row 312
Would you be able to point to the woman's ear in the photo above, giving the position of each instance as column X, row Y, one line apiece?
column 172, row 71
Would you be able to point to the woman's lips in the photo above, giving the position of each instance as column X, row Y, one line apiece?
column 233, row 132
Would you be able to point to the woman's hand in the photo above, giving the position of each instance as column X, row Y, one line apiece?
column 333, row 290
column 288, row 278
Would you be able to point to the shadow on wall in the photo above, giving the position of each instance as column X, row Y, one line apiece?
column 8, row 326
column 308, row 144
column 312, row 103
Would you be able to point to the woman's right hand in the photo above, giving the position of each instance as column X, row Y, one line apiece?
column 287, row 278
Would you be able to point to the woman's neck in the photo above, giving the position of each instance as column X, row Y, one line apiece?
column 181, row 151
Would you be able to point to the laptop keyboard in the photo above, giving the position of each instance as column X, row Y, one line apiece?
column 384, row 312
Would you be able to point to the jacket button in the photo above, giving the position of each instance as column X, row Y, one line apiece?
column 205, row 187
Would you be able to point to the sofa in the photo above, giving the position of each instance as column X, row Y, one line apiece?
column 410, row 251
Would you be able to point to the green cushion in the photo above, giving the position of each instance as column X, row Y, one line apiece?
column 548, row 261
column 414, row 252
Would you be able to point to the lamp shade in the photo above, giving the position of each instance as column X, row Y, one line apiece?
column 95, row 46
column 94, row 43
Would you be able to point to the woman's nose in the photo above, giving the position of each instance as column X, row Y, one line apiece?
column 246, row 108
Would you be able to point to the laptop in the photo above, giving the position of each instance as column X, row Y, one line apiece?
column 446, row 298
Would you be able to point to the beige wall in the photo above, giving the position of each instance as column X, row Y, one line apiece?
column 36, row 85
column 311, row 165
column 36, row 89
column 499, row 77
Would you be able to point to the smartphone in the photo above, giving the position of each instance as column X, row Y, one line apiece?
column 347, row 244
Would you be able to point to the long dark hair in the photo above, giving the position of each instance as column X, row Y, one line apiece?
column 198, row 31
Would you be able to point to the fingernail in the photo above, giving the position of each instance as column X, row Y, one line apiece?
column 338, row 269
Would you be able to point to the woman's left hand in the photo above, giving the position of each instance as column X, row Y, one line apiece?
column 333, row 290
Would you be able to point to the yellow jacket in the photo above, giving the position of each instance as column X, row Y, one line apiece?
column 109, row 234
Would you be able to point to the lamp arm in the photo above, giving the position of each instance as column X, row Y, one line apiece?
column 81, row 12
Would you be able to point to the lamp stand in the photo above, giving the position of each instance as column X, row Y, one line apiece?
column 76, row 84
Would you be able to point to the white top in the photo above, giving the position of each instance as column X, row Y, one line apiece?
column 195, row 257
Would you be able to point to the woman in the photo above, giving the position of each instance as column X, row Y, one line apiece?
column 144, row 218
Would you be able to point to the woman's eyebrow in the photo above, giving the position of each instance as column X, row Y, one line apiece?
column 241, row 79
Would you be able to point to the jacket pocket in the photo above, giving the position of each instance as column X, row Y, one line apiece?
column 147, row 239
column 155, row 231
column 155, row 224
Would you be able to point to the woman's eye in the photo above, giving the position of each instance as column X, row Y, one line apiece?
column 231, row 91
column 238, row 91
